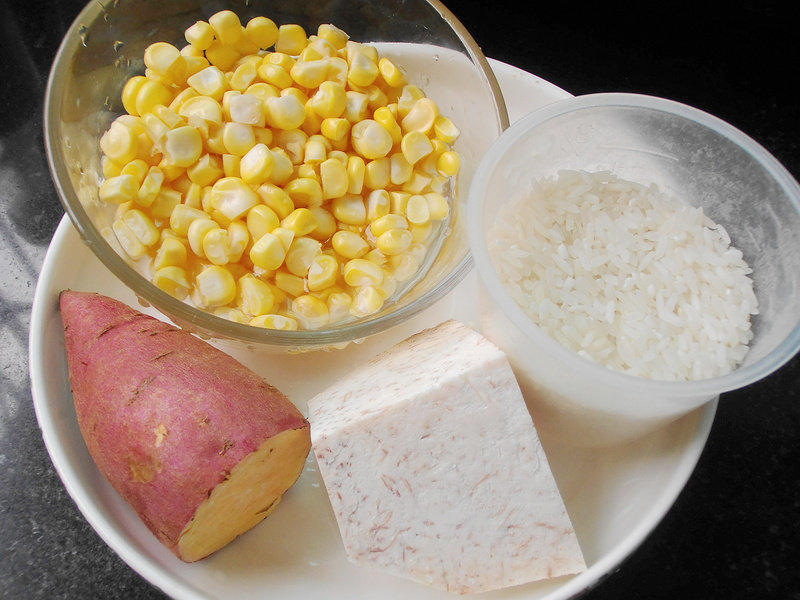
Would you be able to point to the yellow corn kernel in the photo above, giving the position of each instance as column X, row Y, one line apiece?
column 388, row 222
column 173, row 280
column 130, row 91
column 304, row 192
column 370, row 139
column 262, row 90
column 449, row 163
column 119, row 143
column 378, row 204
column 278, row 322
column 335, row 128
column 316, row 149
column 215, row 286
column 418, row 183
column 109, row 168
column 132, row 246
column 142, row 226
column 338, row 306
column 415, row 145
column 276, row 198
column 247, row 109
column 309, row 73
column 333, row 34
column 349, row 209
column 291, row 40
column 150, row 94
column 292, row 142
column 323, row 272
column 366, row 301
column 286, row 236
column 310, row 311
column 217, row 246
column 289, row 283
column 210, row 81
column 182, row 183
column 391, row 73
column 243, row 76
column 182, row 96
column 394, row 241
column 301, row 254
column 227, row 26
column 417, row 210
column 297, row 93
column 194, row 64
column 274, row 75
column 352, row 48
column 330, row 99
column 171, row 253
column 155, row 129
column 281, row 59
column 227, row 96
column 239, row 238
column 285, row 112
column 404, row 266
column 119, row 189
column 385, row 117
column 356, row 106
column 165, row 202
column 182, row 217
column 407, row 99
column 238, row 138
column 445, row 130
column 230, row 165
column 256, row 166
column 138, row 168
column 183, row 146
column 222, row 56
column 255, row 296
column 438, row 207
column 197, row 230
column 301, row 221
column 359, row 272
column 319, row 47
column 261, row 219
column 262, row 32
column 232, row 197
column 231, row 314
column 206, row 170
column 337, row 70
column 212, row 139
column 363, row 69
column 334, row 179
column 167, row 61
column 377, row 173
column 150, row 187
column 355, row 174
column 421, row 117
column 200, row 35
column 401, row 170
column 349, row 244
column 264, row 136
column 268, row 252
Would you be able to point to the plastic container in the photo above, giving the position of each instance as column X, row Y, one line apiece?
column 689, row 154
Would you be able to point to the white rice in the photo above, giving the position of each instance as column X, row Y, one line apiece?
column 626, row 276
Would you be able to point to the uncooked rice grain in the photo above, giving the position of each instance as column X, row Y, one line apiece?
column 626, row 276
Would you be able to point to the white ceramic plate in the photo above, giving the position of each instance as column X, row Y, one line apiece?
column 615, row 496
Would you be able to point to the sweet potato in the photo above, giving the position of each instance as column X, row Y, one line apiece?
column 200, row 446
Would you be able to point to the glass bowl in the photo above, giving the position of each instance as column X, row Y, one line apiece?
column 688, row 154
column 104, row 47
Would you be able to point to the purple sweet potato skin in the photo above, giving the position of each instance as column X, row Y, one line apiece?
column 165, row 415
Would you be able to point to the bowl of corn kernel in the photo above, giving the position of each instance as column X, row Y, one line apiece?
column 283, row 175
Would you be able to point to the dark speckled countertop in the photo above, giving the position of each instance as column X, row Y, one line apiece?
column 734, row 531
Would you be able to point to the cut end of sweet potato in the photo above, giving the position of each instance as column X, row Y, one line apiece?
column 252, row 491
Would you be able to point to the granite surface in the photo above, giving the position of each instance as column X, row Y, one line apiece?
column 733, row 532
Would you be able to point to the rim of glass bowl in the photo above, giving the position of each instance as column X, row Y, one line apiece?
column 196, row 319
column 737, row 379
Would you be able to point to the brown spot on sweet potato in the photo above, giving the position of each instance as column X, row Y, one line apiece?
column 138, row 390
column 162, row 355
column 143, row 471
column 227, row 445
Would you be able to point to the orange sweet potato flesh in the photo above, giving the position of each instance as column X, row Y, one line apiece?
column 201, row 447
